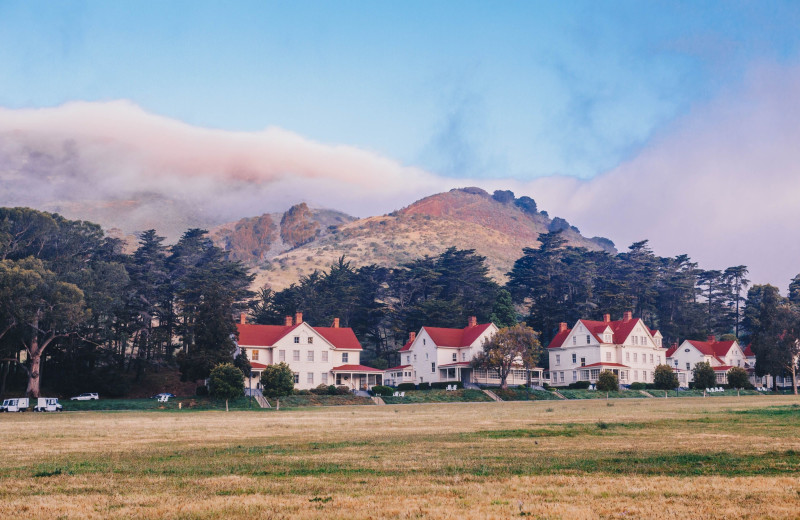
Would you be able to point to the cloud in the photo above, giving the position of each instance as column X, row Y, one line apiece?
column 76, row 155
column 721, row 184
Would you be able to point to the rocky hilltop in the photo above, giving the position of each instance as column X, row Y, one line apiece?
column 284, row 247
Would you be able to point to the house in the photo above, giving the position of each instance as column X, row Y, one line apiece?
column 626, row 347
column 721, row 355
column 437, row 354
column 317, row 355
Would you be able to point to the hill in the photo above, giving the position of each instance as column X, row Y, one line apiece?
column 497, row 226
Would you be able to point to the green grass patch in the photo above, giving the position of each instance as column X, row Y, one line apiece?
column 174, row 404
column 439, row 396
column 597, row 394
column 524, row 394
column 299, row 401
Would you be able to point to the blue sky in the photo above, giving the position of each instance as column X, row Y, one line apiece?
column 670, row 121
column 461, row 89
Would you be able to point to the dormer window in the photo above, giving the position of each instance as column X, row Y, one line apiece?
column 588, row 339
column 297, row 339
column 607, row 338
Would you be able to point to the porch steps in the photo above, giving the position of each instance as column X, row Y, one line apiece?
column 377, row 400
column 646, row 394
column 262, row 401
column 492, row 395
column 559, row 394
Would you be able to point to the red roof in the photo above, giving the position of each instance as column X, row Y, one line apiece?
column 267, row 335
column 399, row 367
column 671, row 351
column 355, row 368
column 621, row 329
column 717, row 349
column 748, row 352
column 459, row 364
column 723, row 368
column 605, row 365
column 443, row 337
column 258, row 366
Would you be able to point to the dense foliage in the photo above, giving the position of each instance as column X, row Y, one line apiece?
column 608, row 381
column 665, row 378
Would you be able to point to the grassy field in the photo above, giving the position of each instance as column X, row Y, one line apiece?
column 726, row 457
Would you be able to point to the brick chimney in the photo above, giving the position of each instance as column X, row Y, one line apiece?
column 243, row 318
column 472, row 321
column 335, row 323
column 606, row 318
column 287, row 321
column 412, row 336
column 712, row 338
column 562, row 327
column 298, row 318
column 628, row 316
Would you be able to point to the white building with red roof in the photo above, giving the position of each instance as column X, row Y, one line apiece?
column 626, row 347
column 721, row 355
column 317, row 355
column 437, row 354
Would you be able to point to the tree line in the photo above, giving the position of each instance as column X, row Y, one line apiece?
column 77, row 308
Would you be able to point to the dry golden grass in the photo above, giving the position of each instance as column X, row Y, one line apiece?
column 650, row 458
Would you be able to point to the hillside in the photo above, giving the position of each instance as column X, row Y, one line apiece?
column 497, row 226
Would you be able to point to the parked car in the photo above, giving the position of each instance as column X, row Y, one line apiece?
column 85, row 397
column 15, row 404
column 162, row 395
column 48, row 404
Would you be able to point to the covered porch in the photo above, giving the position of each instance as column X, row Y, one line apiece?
column 399, row 374
column 516, row 377
column 460, row 371
column 591, row 372
column 253, row 382
column 357, row 377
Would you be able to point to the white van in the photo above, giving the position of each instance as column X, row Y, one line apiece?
column 15, row 404
column 47, row 404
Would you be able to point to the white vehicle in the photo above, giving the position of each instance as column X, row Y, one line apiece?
column 16, row 404
column 47, row 404
column 85, row 397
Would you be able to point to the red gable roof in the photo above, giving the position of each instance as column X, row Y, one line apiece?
column 407, row 346
column 748, row 352
column 621, row 329
column 456, row 337
column 261, row 335
column 340, row 337
column 718, row 349
column 268, row 335
column 671, row 350
column 257, row 366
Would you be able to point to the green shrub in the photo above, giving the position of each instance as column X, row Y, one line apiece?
column 608, row 381
column 579, row 385
column 443, row 385
column 332, row 390
column 406, row 386
column 320, row 390
column 665, row 378
column 342, row 390
column 424, row 386
column 201, row 391
column 737, row 378
column 382, row 390
column 302, row 392
column 638, row 386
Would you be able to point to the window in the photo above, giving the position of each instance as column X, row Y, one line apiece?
column 635, row 340
column 574, row 375
column 608, row 356
column 296, row 355
column 584, row 375
column 588, row 339
column 423, row 341
column 574, row 358
column 324, row 355
column 594, row 373
column 310, row 355
column 676, row 363
column 345, row 357
column 636, row 374
column 688, row 367
column 296, row 377
column 426, row 355
column 325, row 378
column 583, row 361
column 608, row 338
column 558, row 359
column 281, row 355
column 297, row 339
column 310, row 340
column 574, row 340
column 455, row 356
column 408, row 359
column 658, row 358
column 644, row 375
column 415, row 357
column 463, row 356
column 433, row 367
column 627, row 356
column 635, row 356
column 255, row 355
column 562, row 377
column 651, row 359
column 310, row 377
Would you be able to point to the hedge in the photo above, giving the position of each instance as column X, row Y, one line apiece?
column 406, row 386
column 443, row 385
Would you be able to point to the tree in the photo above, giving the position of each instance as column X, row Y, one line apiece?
column 665, row 378
column 704, row 376
column 503, row 312
column 607, row 381
column 510, row 347
column 44, row 307
column 242, row 363
column 277, row 380
column 737, row 378
column 226, row 382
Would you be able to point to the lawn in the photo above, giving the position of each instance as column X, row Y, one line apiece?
column 521, row 393
column 597, row 394
column 726, row 457
column 438, row 396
